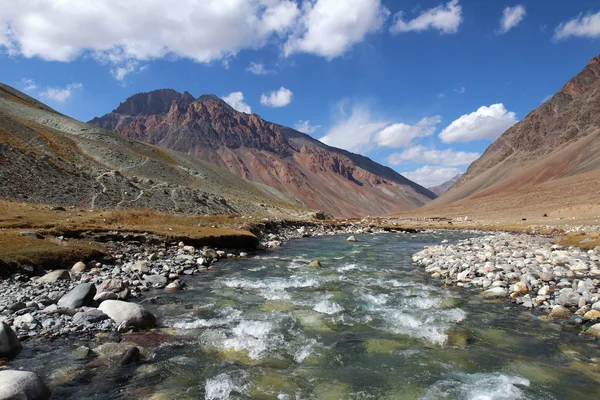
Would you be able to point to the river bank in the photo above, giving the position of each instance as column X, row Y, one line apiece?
column 528, row 270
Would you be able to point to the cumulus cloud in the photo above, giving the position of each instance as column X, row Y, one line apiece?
column 444, row 18
column 423, row 155
column 236, row 101
column 354, row 131
column 306, row 127
column 61, row 95
column 485, row 123
column 401, row 134
column 581, row 26
column 278, row 98
column 429, row 176
column 258, row 69
column 329, row 28
column 28, row 84
column 360, row 131
column 511, row 17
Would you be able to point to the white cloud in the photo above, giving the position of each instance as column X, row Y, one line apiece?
column 119, row 72
column 360, row 131
column 581, row 26
column 279, row 98
column 28, row 84
column 354, row 132
column 61, row 95
column 445, row 18
column 121, row 31
column 429, row 176
column 329, row 28
column 485, row 123
column 460, row 90
column 236, row 101
column 401, row 135
column 258, row 69
column 511, row 17
column 306, row 127
column 423, row 155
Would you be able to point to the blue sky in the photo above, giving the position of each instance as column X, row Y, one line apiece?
column 423, row 86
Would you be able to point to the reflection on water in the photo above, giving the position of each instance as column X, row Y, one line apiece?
column 364, row 326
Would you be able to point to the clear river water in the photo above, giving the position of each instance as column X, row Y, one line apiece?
column 367, row 325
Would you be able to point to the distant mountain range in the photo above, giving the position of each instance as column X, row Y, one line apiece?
column 322, row 177
column 443, row 188
column 550, row 159
column 46, row 157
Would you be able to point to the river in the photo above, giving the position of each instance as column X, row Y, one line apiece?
column 367, row 325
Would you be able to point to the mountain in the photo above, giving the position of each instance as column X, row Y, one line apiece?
column 560, row 140
column 443, row 188
column 322, row 177
column 46, row 157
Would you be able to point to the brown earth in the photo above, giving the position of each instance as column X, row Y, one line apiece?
column 322, row 177
column 558, row 140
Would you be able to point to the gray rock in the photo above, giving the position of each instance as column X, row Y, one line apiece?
column 128, row 313
column 9, row 342
column 17, row 306
column 81, row 295
column 156, row 279
column 55, row 276
column 25, row 321
column 22, row 385
column 89, row 317
column 352, row 239
column 560, row 312
column 315, row 263
column 568, row 298
column 141, row 266
column 495, row 292
column 172, row 287
column 100, row 297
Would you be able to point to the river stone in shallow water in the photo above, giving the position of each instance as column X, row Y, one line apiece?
column 129, row 313
column 81, row 295
column 560, row 312
column 9, row 342
column 22, row 385
column 495, row 292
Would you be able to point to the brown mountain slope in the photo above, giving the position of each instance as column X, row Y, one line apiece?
column 46, row 157
column 557, row 140
column 322, row 177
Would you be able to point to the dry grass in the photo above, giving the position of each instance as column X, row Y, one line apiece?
column 586, row 242
column 223, row 231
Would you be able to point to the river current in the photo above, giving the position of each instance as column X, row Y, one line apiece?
column 367, row 325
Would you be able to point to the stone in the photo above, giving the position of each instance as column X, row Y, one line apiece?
column 592, row 315
column 521, row 287
column 156, row 279
column 495, row 292
column 89, row 317
column 243, row 254
column 172, row 287
column 560, row 312
column 141, row 266
column 189, row 249
column 17, row 306
column 100, row 297
column 594, row 330
column 352, row 239
column 131, row 356
column 568, row 298
column 112, row 286
column 128, row 313
column 315, row 263
column 79, row 267
column 80, row 353
column 22, row 385
column 80, row 296
column 55, row 276
column 25, row 321
column 9, row 342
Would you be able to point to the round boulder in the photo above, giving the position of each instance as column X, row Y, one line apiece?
column 315, row 263
column 79, row 267
column 352, row 239
column 22, row 385
column 129, row 313
column 9, row 342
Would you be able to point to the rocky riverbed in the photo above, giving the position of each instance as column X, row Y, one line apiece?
column 528, row 270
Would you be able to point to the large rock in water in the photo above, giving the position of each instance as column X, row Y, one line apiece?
column 129, row 313
column 81, row 295
column 22, row 385
column 9, row 342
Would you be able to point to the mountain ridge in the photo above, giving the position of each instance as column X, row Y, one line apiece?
column 321, row 176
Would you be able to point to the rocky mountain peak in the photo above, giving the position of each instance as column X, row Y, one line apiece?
column 152, row 103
